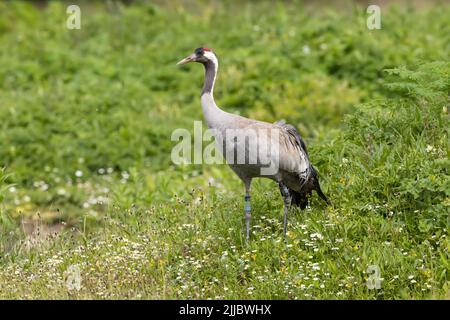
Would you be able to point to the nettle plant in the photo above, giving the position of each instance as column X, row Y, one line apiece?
column 397, row 148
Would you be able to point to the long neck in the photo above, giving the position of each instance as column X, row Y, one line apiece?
column 210, row 76
column 210, row 110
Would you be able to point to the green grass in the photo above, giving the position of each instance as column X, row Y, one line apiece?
column 86, row 118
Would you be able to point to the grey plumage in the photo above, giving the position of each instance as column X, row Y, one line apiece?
column 296, row 176
column 300, row 198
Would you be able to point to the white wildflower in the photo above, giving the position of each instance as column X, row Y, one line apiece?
column 306, row 49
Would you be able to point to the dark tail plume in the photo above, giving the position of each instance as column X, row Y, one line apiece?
column 316, row 185
column 300, row 199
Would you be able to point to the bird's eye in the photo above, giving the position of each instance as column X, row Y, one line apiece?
column 199, row 51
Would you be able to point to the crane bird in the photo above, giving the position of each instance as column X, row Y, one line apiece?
column 259, row 150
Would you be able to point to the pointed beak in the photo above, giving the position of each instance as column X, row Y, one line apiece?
column 187, row 59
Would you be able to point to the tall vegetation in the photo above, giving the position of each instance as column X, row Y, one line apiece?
column 85, row 123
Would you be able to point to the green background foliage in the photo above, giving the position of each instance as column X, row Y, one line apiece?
column 86, row 118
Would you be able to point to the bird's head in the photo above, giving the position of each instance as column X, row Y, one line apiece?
column 201, row 55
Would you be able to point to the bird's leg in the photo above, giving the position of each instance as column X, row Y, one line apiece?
column 248, row 216
column 247, row 209
column 287, row 203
